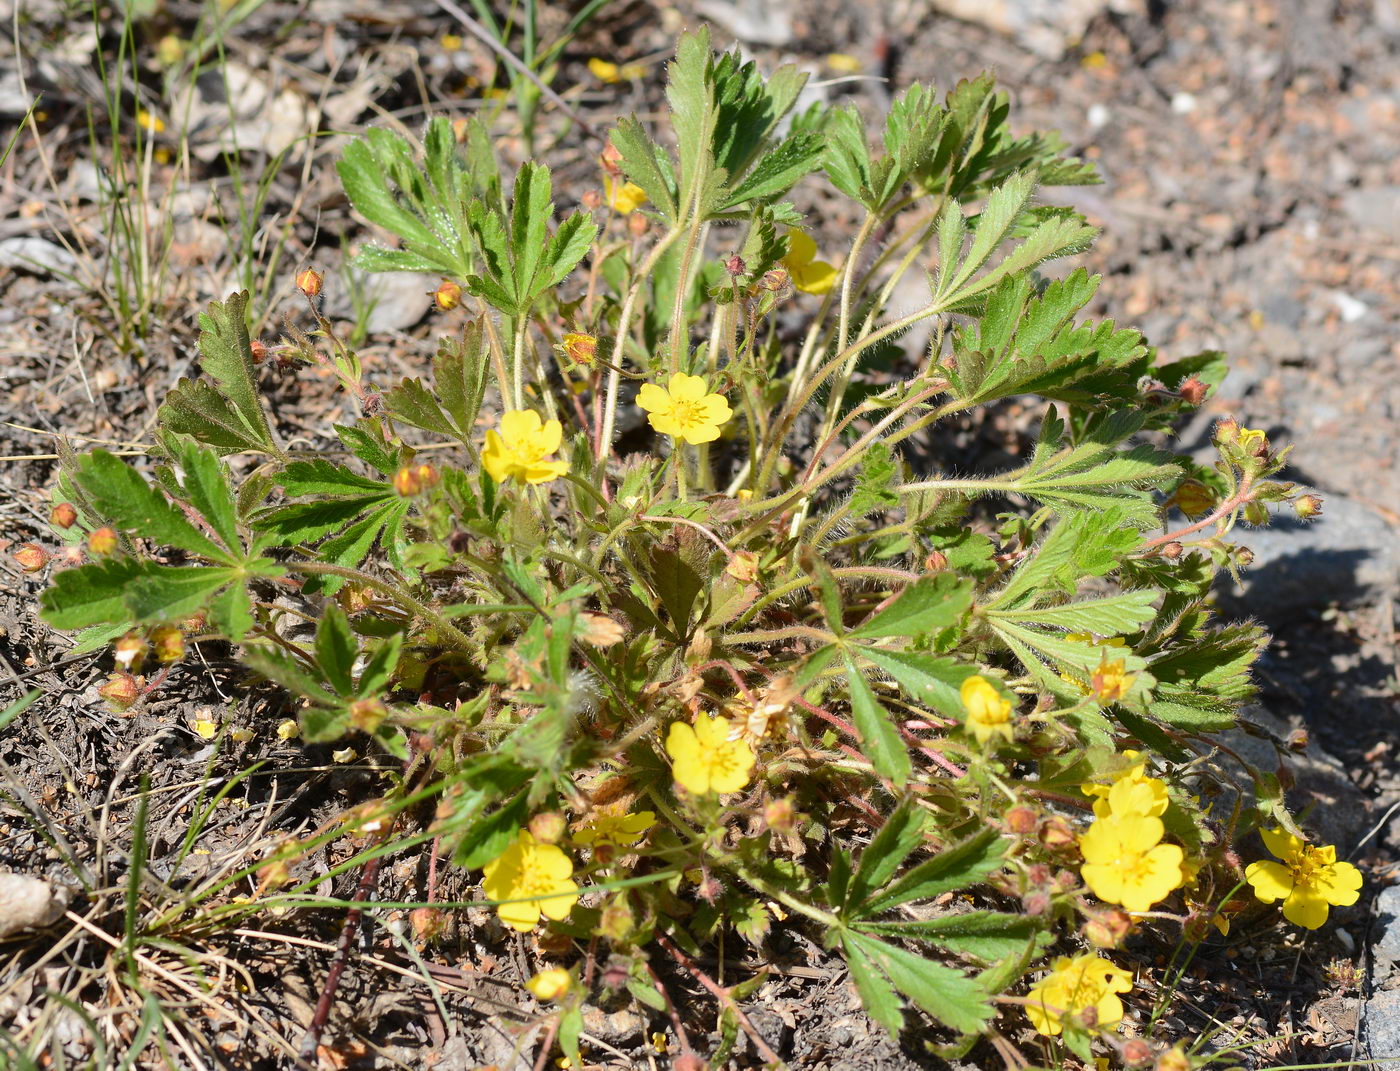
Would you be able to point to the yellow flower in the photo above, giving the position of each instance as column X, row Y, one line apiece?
column 610, row 73
column 841, row 63
column 580, row 348
column 988, row 714
column 149, row 122
column 808, row 274
column 450, row 42
column 288, row 729
column 615, row 828
column 684, row 409
column 536, row 877
column 1125, row 863
column 550, row 984
column 206, row 729
column 1307, row 881
column 626, row 198
column 1131, row 793
column 704, row 759
column 345, row 754
column 1075, row 985
column 520, row 449
column 1111, row 680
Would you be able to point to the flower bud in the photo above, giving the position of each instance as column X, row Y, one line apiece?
column 936, row 562
column 1256, row 514
column 1022, row 820
column 1136, row 1052
column 638, row 225
column 550, row 984
column 168, row 642
column 548, row 827
column 1298, row 740
column 120, row 691
column 407, row 482
column 128, row 651
column 447, row 296
column 258, row 348
column 64, row 515
column 1171, row 551
column 31, row 557
column 1057, row 833
column 616, row 921
column 1193, row 391
column 1108, row 928
column 592, row 200
column 427, row 922
column 368, row 715
column 309, row 282
column 1193, row 498
column 581, row 348
column 1307, row 507
column 600, row 630
column 427, row 476
column 780, row 815
column 775, row 280
column 1226, row 431
column 735, row 265
column 102, row 542
column 1244, row 557
column 610, row 159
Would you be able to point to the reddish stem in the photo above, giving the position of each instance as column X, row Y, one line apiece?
column 1231, row 504
column 721, row 994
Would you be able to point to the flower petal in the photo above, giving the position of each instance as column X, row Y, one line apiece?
column 1280, row 843
column 1271, row 881
column 1305, row 908
column 548, row 438
column 684, row 388
column 653, row 399
column 815, row 278
column 518, row 425
column 1338, row 884
column 801, row 250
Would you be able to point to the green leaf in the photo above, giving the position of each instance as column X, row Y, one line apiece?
column 226, row 356
column 987, row 936
column 210, row 493
column 92, row 594
column 927, row 679
column 489, row 838
column 927, row 605
column 777, row 171
column 459, row 375
column 321, row 477
column 120, row 494
column 1114, row 615
column 324, row 725
column 948, row 995
column 902, row 832
column 569, row 244
column 232, row 611
column 879, row 473
column 645, row 163
column 957, row 867
column 878, row 734
column 171, row 593
column 336, row 649
column 691, row 92
column 877, row 996
column 676, row 584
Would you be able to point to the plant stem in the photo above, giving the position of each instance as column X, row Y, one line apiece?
column 1234, row 502
column 408, row 602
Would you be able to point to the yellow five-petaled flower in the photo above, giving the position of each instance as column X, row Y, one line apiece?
column 518, row 451
column 533, row 879
column 1126, row 863
column 684, row 409
column 704, row 759
column 1309, row 881
column 810, row 275
column 988, row 714
column 1073, row 986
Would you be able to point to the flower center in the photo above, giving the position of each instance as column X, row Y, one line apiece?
column 1305, row 864
column 688, row 414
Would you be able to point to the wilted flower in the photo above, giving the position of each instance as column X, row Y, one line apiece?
column 447, row 296
column 808, row 274
column 704, row 758
column 102, row 541
column 31, row 557
column 988, row 714
column 625, row 198
column 615, row 828
column 1309, row 881
column 684, row 409
column 1075, row 986
column 535, row 878
column 63, row 515
column 518, row 451
column 550, row 983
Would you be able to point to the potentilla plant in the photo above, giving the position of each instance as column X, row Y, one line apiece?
column 640, row 590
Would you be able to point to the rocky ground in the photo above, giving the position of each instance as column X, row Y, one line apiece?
column 1251, row 154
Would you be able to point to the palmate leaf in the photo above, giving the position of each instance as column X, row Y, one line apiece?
column 927, row 679
column 955, row 867
column 987, row 936
column 121, row 495
column 948, row 995
column 459, row 384
column 875, row 725
column 927, row 605
column 902, row 832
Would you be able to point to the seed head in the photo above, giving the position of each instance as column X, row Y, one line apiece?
column 548, row 827
column 735, row 266
column 1308, row 506
column 1022, row 820
column 638, row 225
column 168, row 642
column 120, row 691
column 258, row 348
column 1193, row 391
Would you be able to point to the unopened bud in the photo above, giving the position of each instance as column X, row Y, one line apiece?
column 1056, row 833
column 1171, row 551
column 196, row 622
column 447, row 296
column 120, row 691
column 31, row 557
column 460, row 129
column 102, row 542
column 610, row 159
column 258, row 348
column 616, row 921
column 1036, row 902
column 1136, row 1052
column 168, row 643
column 64, row 515
column 548, row 827
column 735, row 265
column 1193, row 391
column 368, row 715
column 1256, row 514
column 1227, row 431
column 309, row 282
column 1022, row 820
column 1108, row 928
column 936, row 562
column 1193, row 498
column 780, row 815
column 592, row 200
column 638, row 225
column 1298, row 740
column 128, row 651
column 407, row 482
column 427, row 922
column 1308, row 506
column 427, row 476
column 775, row 280
column 743, row 566
column 581, row 348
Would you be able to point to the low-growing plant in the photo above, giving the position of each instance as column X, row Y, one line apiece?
column 676, row 632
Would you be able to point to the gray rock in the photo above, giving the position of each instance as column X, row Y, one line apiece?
column 1377, row 209
column 37, row 255
column 1387, row 946
column 1380, row 1019
column 1349, row 556
column 1336, row 809
column 1047, row 27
